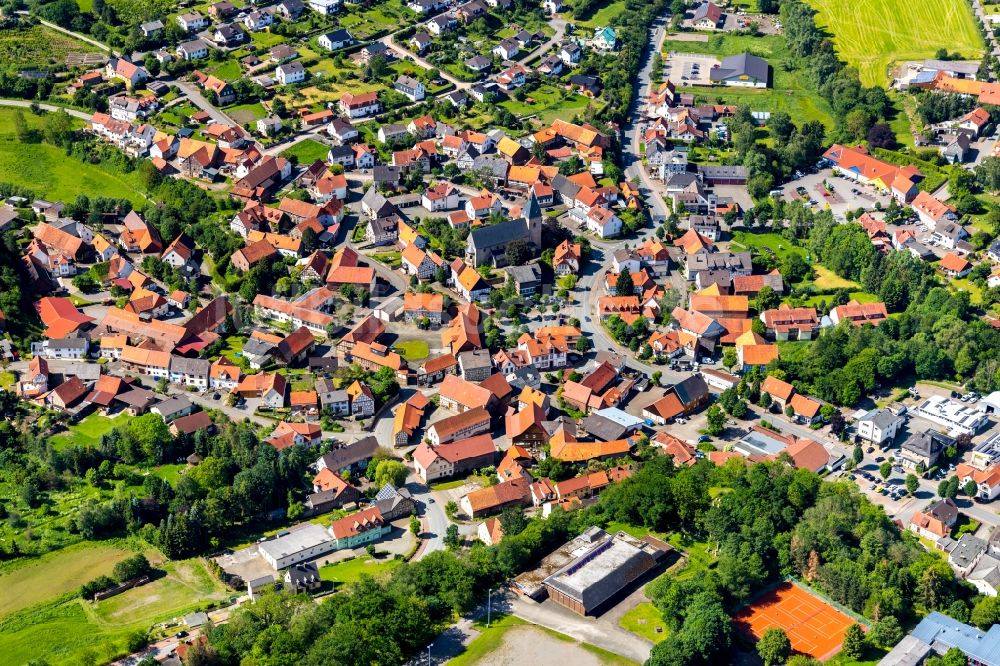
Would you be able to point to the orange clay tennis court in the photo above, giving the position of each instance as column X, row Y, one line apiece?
column 814, row 627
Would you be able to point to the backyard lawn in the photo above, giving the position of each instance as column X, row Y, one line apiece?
column 873, row 35
column 306, row 152
column 7, row 380
column 87, row 432
column 227, row 70
column 827, row 279
column 413, row 350
column 548, row 102
column 246, row 113
column 350, row 571
column 770, row 243
column 644, row 620
column 49, row 173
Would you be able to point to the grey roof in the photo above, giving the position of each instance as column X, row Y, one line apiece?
column 710, row 171
column 474, row 359
column 351, row 454
column 291, row 68
column 152, row 25
column 385, row 174
column 388, row 491
column 743, row 64
column 173, row 405
column 525, row 274
column 257, row 347
column 393, row 129
column 566, row 188
column 478, row 62
column 967, row 550
column 190, row 366
column 88, row 372
column 882, row 418
column 911, row 651
column 373, row 199
column 715, row 261
column 950, row 230
column 958, row 66
column 928, row 443
column 994, row 248
column 603, row 428
column 339, row 152
column 137, row 397
column 496, row 166
column 494, row 235
column 603, row 566
column 943, row 633
column 307, row 536
column 68, row 343
column 532, row 211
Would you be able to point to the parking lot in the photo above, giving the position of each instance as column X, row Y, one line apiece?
column 847, row 195
column 689, row 69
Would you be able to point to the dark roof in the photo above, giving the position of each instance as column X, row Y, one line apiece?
column 339, row 36
column 691, row 389
column 351, row 454
column 743, row 64
column 603, row 428
column 303, row 573
column 498, row 234
column 929, row 443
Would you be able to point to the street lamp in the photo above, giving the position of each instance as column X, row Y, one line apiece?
column 489, row 606
column 429, row 654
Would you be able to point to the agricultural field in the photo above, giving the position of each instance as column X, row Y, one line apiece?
column 38, row 47
column 47, row 170
column 873, row 35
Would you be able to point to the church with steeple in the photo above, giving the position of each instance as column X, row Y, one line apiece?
column 486, row 244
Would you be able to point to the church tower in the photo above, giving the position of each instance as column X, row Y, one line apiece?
column 532, row 215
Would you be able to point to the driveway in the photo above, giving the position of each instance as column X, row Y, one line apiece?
column 194, row 94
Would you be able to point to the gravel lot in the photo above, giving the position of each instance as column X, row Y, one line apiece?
column 531, row 645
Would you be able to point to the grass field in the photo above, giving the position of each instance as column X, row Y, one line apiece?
column 644, row 620
column 872, row 35
column 72, row 631
column 859, row 296
column 56, row 574
column 350, row 571
column 790, row 91
column 307, row 151
column 827, row 279
column 606, row 15
column 49, row 173
column 548, row 102
column 413, row 350
column 246, row 113
column 87, row 432
column 7, row 380
column 766, row 244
